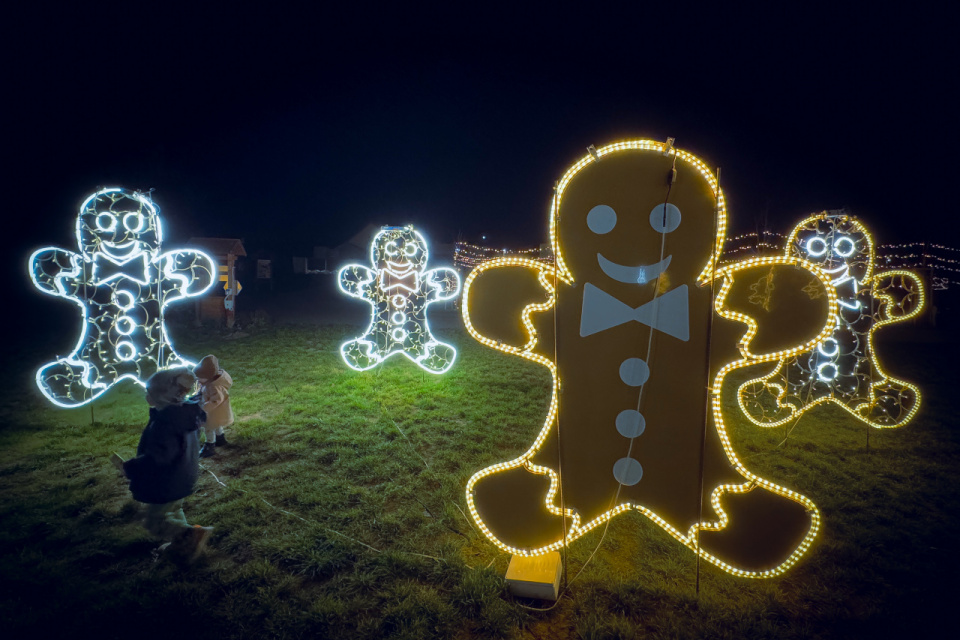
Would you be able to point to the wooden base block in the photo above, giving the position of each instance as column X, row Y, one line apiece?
column 535, row 577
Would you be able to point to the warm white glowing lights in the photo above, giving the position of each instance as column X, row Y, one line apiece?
column 467, row 256
column 943, row 262
column 843, row 368
column 399, row 289
column 122, row 283
column 567, row 288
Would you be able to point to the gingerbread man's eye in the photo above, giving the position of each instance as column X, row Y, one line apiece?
column 410, row 250
column 844, row 246
column 106, row 222
column 665, row 218
column 391, row 248
column 601, row 219
column 133, row 221
column 816, row 246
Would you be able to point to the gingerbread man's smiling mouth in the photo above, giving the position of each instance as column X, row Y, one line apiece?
column 399, row 268
column 119, row 251
column 633, row 275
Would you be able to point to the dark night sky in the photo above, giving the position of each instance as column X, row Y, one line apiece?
column 299, row 128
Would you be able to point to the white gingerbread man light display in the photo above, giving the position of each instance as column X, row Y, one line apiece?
column 399, row 289
column 122, row 283
column 844, row 367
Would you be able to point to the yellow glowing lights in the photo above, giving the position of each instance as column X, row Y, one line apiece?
column 842, row 368
column 552, row 279
column 122, row 283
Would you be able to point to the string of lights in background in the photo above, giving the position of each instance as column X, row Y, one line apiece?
column 943, row 262
column 467, row 256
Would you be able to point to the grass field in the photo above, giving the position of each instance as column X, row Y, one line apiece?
column 339, row 512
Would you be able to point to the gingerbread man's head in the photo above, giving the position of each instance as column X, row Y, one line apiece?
column 119, row 223
column 637, row 222
column 399, row 249
column 835, row 243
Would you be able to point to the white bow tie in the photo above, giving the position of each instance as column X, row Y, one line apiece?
column 668, row 313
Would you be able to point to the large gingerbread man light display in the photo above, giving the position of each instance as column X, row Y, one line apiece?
column 843, row 368
column 122, row 283
column 639, row 328
column 399, row 288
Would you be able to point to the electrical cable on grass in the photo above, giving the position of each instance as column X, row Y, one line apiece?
column 315, row 523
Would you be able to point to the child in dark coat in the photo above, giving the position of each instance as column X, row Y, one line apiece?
column 167, row 463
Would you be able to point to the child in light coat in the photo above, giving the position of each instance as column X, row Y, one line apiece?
column 166, row 467
column 215, row 386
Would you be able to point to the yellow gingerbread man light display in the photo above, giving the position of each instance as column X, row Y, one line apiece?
column 640, row 328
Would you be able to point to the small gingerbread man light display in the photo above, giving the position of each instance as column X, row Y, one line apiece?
column 122, row 283
column 843, row 368
column 640, row 329
column 399, row 289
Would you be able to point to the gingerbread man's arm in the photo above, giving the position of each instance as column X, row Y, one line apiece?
column 57, row 272
column 356, row 280
column 902, row 293
column 443, row 283
column 500, row 298
column 794, row 312
column 185, row 273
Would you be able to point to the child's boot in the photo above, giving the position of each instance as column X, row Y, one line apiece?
column 221, row 440
column 188, row 546
column 117, row 462
column 207, row 450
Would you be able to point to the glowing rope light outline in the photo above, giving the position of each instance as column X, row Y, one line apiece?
column 546, row 274
column 164, row 263
column 870, row 280
column 423, row 279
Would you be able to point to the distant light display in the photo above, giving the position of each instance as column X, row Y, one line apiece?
column 467, row 256
column 122, row 284
column 399, row 289
column 843, row 368
column 942, row 262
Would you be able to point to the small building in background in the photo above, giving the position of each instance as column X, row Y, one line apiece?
column 220, row 304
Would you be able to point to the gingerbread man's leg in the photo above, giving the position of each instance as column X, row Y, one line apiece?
column 515, row 503
column 70, row 384
column 893, row 404
column 361, row 354
column 747, row 525
column 764, row 531
column 437, row 356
